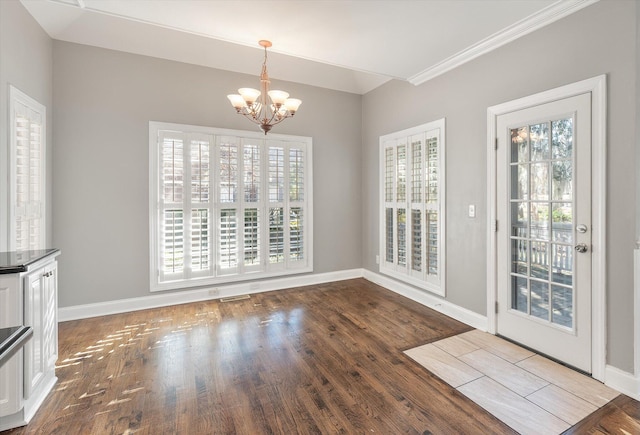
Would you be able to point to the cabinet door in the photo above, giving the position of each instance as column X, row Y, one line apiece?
column 50, row 320
column 34, row 359
column 11, row 370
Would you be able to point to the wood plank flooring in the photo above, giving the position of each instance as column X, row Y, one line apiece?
column 320, row 359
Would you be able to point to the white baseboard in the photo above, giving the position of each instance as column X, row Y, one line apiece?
column 622, row 381
column 183, row 297
column 434, row 302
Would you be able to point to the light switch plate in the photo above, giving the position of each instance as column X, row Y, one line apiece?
column 472, row 211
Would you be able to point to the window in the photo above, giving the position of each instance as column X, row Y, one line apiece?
column 27, row 172
column 227, row 205
column 412, row 206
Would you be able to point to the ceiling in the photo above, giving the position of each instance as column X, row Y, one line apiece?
column 347, row 45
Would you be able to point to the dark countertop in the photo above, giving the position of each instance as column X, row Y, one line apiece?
column 19, row 261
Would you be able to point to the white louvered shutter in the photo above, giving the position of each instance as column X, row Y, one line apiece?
column 229, row 206
column 27, row 181
column 412, row 206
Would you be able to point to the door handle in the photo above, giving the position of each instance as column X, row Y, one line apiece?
column 581, row 247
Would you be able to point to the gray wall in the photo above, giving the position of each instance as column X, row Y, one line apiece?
column 600, row 39
column 26, row 63
column 104, row 101
column 638, row 142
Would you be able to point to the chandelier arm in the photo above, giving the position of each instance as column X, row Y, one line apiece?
column 273, row 116
column 279, row 120
column 257, row 117
column 251, row 118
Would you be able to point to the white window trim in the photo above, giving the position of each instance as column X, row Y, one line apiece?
column 16, row 98
column 405, row 274
column 216, row 133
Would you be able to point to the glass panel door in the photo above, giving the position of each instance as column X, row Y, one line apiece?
column 544, row 228
column 541, row 215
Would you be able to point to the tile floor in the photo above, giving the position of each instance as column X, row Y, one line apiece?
column 528, row 392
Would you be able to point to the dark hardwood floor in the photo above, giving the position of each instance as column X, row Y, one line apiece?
column 320, row 359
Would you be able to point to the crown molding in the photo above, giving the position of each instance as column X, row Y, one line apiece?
column 548, row 15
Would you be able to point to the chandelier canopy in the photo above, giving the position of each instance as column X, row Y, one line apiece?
column 253, row 104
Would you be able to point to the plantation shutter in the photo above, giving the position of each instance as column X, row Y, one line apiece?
column 252, row 210
column 172, row 243
column 229, row 206
column 433, row 207
column 297, row 210
column 200, row 257
column 27, row 181
column 412, row 210
column 184, row 206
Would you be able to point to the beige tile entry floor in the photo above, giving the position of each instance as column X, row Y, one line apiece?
column 528, row 392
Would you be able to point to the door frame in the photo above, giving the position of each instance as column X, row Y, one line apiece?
column 597, row 87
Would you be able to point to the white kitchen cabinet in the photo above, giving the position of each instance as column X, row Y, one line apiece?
column 40, row 308
column 29, row 297
column 11, row 371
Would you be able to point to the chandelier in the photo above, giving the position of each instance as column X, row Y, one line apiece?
column 253, row 104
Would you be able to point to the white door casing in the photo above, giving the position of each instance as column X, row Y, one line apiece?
column 498, row 268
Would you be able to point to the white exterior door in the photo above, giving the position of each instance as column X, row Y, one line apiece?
column 544, row 229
